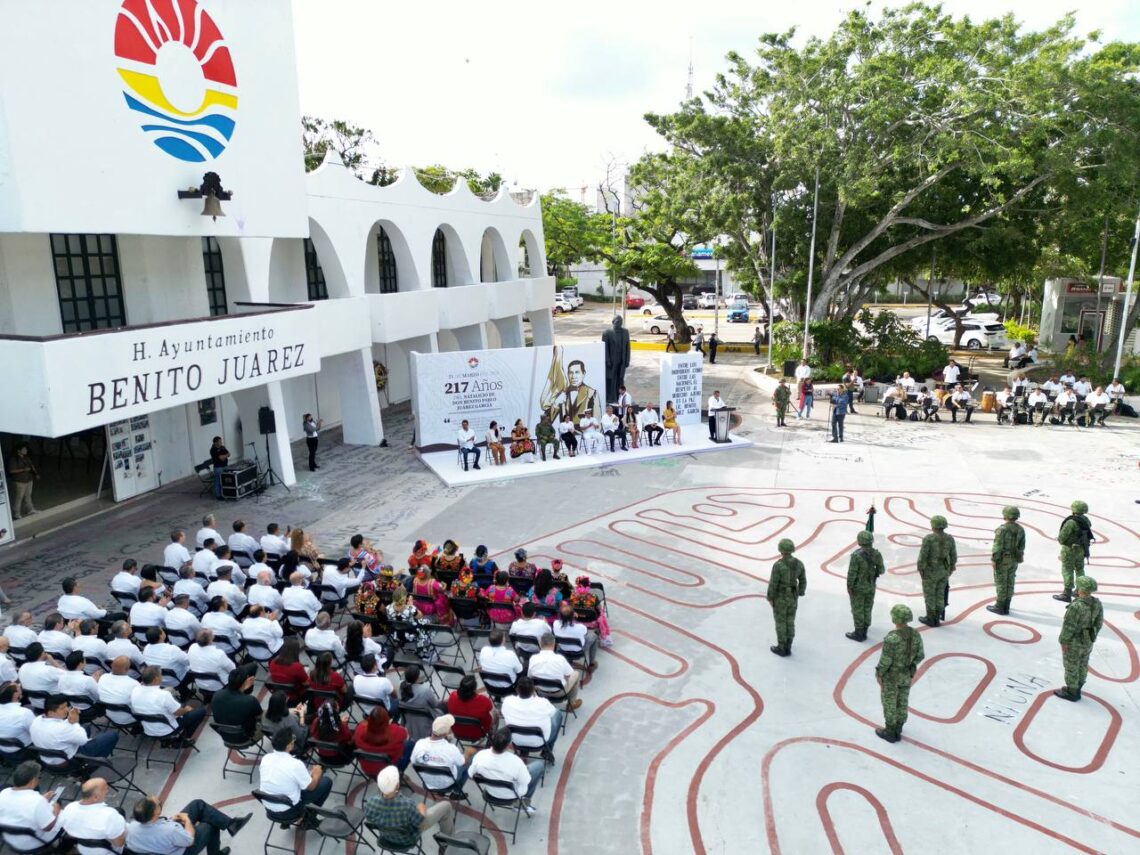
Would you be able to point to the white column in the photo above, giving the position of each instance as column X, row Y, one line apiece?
column 282, row 452
column 359, row 406
column 542, row 326
column 471, row 337
column 510, row 331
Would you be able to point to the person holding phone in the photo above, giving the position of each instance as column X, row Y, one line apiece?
column 312, row 428
column 23, row 806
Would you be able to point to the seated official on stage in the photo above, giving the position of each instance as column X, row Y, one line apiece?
column 520, row 440
column 495, row 448
column 466, row 440
column 613, row 429
column 591, row 430
column 630, row 420
column 669, row 421
column 567, row 433
column 960, row 401
column 650, row 425
column 546, row 436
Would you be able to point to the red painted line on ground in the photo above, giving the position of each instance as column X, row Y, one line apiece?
column 970, row 700
column 565, row 548
column 684, row 663
column 1034, row 635
column 1133, row 659
column 831, row 500
column 829, row 825
column 1098, row 758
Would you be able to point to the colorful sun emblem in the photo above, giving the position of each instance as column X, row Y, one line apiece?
column 473, row 362
column 179, row 76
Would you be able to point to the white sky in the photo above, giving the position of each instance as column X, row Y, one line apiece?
column 548, row 93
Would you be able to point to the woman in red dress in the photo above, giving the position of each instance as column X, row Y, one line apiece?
column 377, row 734
column 466, row 701
column 286, row 669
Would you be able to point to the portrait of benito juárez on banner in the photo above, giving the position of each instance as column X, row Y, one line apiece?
column 566, row 396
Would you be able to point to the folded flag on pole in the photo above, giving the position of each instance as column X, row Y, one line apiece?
column 870, row 526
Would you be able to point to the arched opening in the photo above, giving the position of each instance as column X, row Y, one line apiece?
column 315, row 285
column 494, row 264
column 439, row 260
column 449, row 264
column 524, row 260
column 532, row 256
column 388, row 264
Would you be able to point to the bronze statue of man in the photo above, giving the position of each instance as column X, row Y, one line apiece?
column 617, row 357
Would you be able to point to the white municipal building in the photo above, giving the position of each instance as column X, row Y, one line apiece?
column 133, row 329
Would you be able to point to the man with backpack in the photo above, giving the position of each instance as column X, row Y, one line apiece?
column 1075, row 538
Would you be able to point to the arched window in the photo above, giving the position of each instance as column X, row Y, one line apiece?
column 314, row 276
column 439, row 260
column 524, row 259
column 87, row 277
column 389, row 283
column 215, row 276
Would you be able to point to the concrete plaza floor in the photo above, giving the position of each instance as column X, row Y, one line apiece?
column 692, row 736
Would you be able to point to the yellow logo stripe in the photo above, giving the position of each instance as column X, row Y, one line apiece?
column 147, row 87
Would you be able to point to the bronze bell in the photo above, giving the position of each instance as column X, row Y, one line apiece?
column 212, row 207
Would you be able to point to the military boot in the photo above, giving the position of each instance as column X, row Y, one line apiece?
column 887, row 733
column 859, row 634
column 779, row 650
column 1066, row 597
column 998, row 608
column 898, row 732
column 929, row 621
column 1068, row 694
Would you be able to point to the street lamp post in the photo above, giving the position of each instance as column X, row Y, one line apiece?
column 811, row 264
column 716, row 288
column 929, row 292
column 771, row 286
column 1127, row 299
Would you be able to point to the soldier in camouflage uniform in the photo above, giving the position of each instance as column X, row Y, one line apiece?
column 937, row 560
column 780, row 399
column 1075, row 536
column 1008, row 551
column 863, row 570
column 902, row 651
column 787, row 584
column 1083, row 620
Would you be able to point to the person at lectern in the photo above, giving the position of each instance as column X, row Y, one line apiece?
column 716, row 402
column 466, row 441
column 220, row 458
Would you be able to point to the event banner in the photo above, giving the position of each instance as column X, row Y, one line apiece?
column 681, row 377
column 503, row 385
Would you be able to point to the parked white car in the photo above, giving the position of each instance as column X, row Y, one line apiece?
column 571, row 296
column 708, row 301
column 561, row 304
column 976, row 335
column 985, row 298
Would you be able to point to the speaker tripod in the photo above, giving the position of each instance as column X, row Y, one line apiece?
column 270, row 478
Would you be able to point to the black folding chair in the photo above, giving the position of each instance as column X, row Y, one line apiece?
column 468, row 841
column 446, row 786
column 280, row 812
column 237, row 741
column 556, row 693
column 341, row 824
column 27, row 843
column 500, row 794
column 498, row 685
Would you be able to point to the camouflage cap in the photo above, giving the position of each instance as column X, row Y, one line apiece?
column 786, row 547
column 1086, row 583
column 901, row 614
column 938, row 521
column 1079, row 507
column 865, row 538
column 1010, row 512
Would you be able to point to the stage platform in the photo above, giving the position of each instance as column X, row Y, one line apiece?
column 449, row 469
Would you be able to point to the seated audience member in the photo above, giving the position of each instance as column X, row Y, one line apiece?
column 1081, row 389
column 150, row 698
column 263, row 626
column 120, row 644
column 1017, row 357
column 465, row 441
column 208, row 531
column 1116, row 392
column 176, row 555
column 358, row 643
column 164, row 656
column 298, row 598
column 91, row 818
column 23, row 807
column 207, row 658
column 430, row 596
column 437, row 749
column 378, row 734
column 239, row 541
column 412, row 625
column 568, row 626
column 227, row 629
column 545, row 592
column 521, row 566
column 502, row 599
column 264, row 594
column 568, row 436
column 81, row 691
column 960, row 401
column 280, row 716
column 466, row 702
column 450, row 559
column 548, row 665
column 422, row 556
column 371, row 688
column 287, row 670
column 15, row 721
column 204, row 560
column 1037, row 402
column 520, row 440
column 591, row 430
column 188, row 584
column 323, row 677
column 93, row 648
column 56, row 636
column 235, row 704
column 1051, row 386
column 8, row 671
column 416, row 694
column 224, row 586
column 1005, row 403
column 146, row 612
column 149, row 578
column 195, row 828
column 331, row 725
column 530, row 625
column 364, row 558
column 342, row 580
column 1098, row 398
column 282, row 774
column 39, row 673
column 928, row 404
column 399, row 821
column 322, row 637
column 494, row 439
column 116, row 688
column 526, row 708
column 649, row 425
column 894, row 401
column 224, row 558
column 181, row 619
column 272, row 542
column 59, row 729
column 20, row 633
column 500, row 763
column 497, row 658
column 669, row 421
column 481, row 564
column 258, row 566
column 127, row 581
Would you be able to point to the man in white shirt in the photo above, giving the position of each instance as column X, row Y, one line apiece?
column 258, row 566
column 1005, row 401
column 39, row 673
column 1097, row 398
column 960, row 400
column 525, row 708
column 181, row 623
column 209, row 659
column 567, row 626
column 1068, row 378
column 951, row 373
column 8, row 673
column 803, row 371
column 298, row 598
column 548, row 665
column 613, row 428
column 1064, row 404
column 272, row 542
column 20, row 633
column 1037, row 401
column 438, row 750
column 282, row 774
column 466, row 440
column 190, row 586
column 372, row 688
column 161, row 654
column 1116, row 392
column 1032, row 355
column 146, row 612
column 81, row 690
column 15, row 719
column 224, row 586
column 263, row 593
column 204, row 560
column 22, row 806
column 322, row 637
column 74, row 606
column 176, row 555
column 120, row 644
column 530, row 624
column 623, row 403
column 56, row 636
column 1017, row 358
column 127, row 581
column 591, row 430
column 1051, row 386
column 262, row 625
column 116, row 688
column 91, row 819
column 500, row 763
column 208, row 532
column 1082, row 388
column 239, row 541
column 224, row 558
column 59, row 729
column 343, row 581
column 152, row 699
column 227, row 630
column 906, row 381
column 650, row 425
column 716, row 402
column 497, row 658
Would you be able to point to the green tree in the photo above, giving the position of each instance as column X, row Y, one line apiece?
column 573, row 233
column 350, row 141
column 439, row 179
